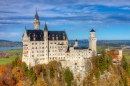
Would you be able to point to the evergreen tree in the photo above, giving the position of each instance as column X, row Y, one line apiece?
column 68, row 76
column 51, row 72
column 102, row 62
column 24, row 68
column 44, row 71
column 32, row 75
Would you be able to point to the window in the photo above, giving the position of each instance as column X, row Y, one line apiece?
column 32, row 43
column 35, row 43
column 42, row 47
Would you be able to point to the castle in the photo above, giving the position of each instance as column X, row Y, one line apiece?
column 43, row 46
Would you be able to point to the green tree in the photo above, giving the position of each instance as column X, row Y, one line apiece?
column 24, row 68
column 102, row 62
column 120, row 82
column 97, row 74
column 32, row 75
column 68, row 76
column 44, row 71
column 51, row 72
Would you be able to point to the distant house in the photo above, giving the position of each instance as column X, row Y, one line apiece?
column 115, row 54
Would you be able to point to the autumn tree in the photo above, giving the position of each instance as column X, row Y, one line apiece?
column 38, row 70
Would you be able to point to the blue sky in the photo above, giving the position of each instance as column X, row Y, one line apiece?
column 109, row 18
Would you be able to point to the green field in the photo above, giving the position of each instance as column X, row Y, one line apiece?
column 11, row 58
column 8, row 60
column 13, row 51
column 126, row 54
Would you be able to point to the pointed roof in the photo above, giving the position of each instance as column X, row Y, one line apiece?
column 36, row 16
column 92, row 30
column 76, row 40
column 25, row 28
column 45, row 27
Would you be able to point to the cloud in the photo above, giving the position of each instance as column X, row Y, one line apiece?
column 15, row 34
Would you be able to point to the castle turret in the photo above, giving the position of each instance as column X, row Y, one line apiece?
column 46, row 42
column 92, row 42
column 76, row 43
column 36, row 22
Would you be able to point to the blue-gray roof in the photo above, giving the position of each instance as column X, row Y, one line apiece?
column 80, row 47
column 58, row 34
column 39, row 35
column 36, row 16
column 92, row 30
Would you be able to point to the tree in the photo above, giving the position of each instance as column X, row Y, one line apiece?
column 24, row 67
column 52, row 72
column 97, row 74
column 68, row 76
column 32, row 75
column 102, row 62
column 44, row 71
column 41, row 82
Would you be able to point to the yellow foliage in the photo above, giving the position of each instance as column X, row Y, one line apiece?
column 78, row 76
column 56, row 84
column 18, row 84
column 18, row 73
column 41, row 82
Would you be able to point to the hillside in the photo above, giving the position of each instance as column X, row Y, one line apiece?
column 103, row 73
column 6, row 43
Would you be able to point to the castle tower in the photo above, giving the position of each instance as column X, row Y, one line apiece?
column 76, row 43
column 36, row 22
column 92, row 42
column 46, row 42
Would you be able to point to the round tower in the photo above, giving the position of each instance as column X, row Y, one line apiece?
column 76, row 43
column 36, row 22
column 93, row 42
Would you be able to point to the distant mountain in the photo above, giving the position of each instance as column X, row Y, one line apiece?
column 112, row 43
column 84, row 42
column 7, row 43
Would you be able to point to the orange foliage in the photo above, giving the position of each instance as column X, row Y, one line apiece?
column 37, row 70
column 19, row 61
column 2, row 70
column 18, row 84
column 93, row 69
column 10, row 81
column 114, row 54
column 2, row 83
column 18, row 73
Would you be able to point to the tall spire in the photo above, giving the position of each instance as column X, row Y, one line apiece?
column 25, row 28
column 36, row 15
column 92, row 30
column 45, row 27
column 36, row 21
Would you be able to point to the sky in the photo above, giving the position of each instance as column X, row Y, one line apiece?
column 109, row 18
